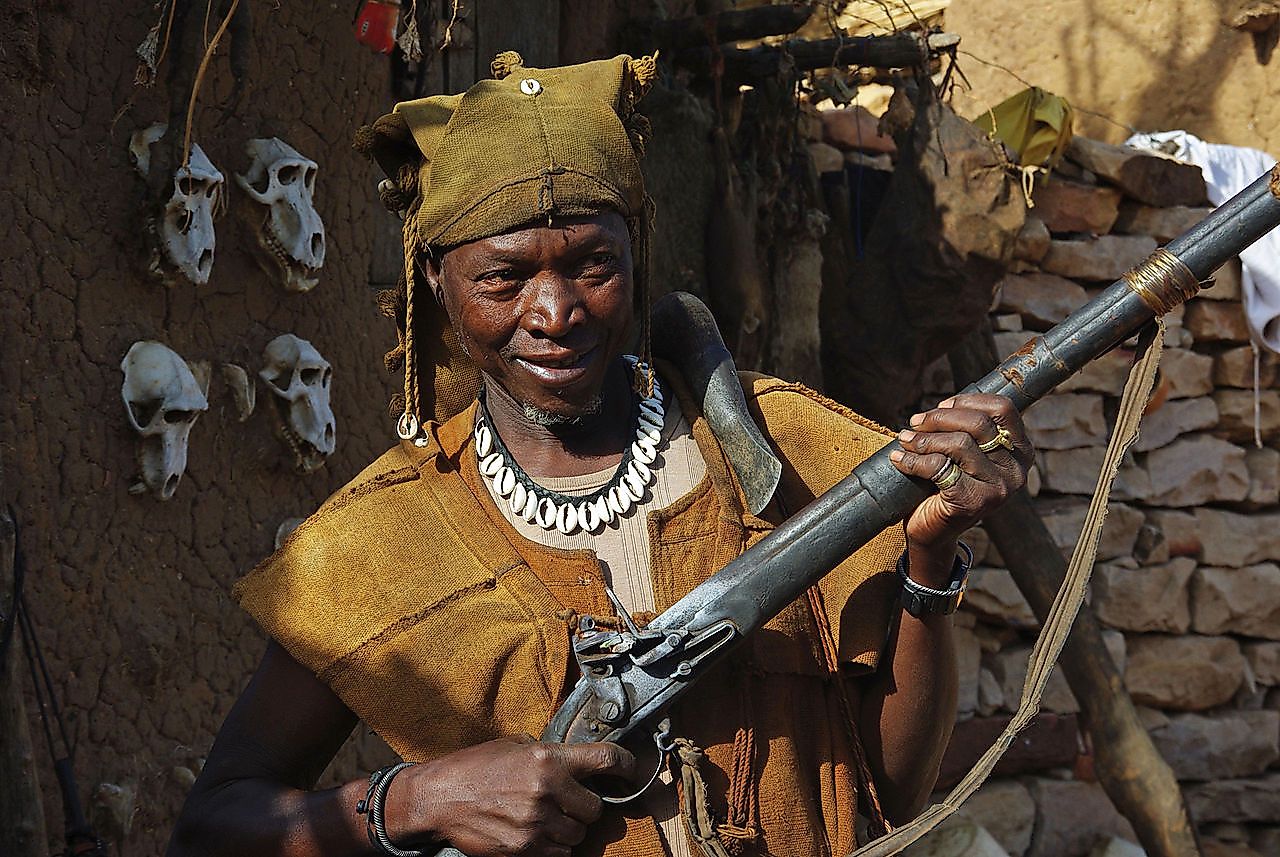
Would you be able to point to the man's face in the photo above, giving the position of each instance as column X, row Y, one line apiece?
column 544, row 310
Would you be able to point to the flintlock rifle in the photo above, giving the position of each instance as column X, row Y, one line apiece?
column 629, row 676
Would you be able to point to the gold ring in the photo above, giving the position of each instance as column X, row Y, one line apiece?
column 948, row 476
column 1002, row 439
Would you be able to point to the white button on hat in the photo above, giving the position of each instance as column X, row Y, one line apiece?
column 529, row 86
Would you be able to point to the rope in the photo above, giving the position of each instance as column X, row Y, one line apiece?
column 195, row 87
column 1066, row 605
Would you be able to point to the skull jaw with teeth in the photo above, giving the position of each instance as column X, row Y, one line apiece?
column 290, row 237
column 162, row 401
column 299, row 378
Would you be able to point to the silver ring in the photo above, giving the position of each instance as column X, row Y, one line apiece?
column 949, row 475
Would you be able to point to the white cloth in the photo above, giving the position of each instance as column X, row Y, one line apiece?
column 1227, row 171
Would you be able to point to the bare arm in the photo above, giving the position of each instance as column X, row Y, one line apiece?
column 503, row 797
column 909, row 706
column 253, row 795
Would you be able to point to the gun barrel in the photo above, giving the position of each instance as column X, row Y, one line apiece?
column 760, row 583
column 763, row 580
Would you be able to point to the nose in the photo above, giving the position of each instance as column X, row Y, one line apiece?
column 554, row 307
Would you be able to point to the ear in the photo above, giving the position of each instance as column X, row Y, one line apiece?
column 432, row 265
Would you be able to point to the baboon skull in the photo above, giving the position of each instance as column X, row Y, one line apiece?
column 299, row 377
column 291, row 234
column 162, row 400
column 186, row 225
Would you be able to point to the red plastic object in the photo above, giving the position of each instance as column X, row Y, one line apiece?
column 375, row 24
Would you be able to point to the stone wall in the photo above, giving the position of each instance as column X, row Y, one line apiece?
column 1187, row 582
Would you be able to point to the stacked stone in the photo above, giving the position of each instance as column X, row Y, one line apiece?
column 1187, row 581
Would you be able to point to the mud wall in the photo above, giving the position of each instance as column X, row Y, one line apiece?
column 1150, row 64
column 131, row 595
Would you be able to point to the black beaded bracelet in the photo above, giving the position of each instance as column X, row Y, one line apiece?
column 374, row 804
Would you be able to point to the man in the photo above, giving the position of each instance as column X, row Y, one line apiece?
column 435, row 596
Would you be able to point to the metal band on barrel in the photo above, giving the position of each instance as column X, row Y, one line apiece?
column 1162, row 281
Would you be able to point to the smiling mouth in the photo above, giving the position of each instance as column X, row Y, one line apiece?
column 558, row 370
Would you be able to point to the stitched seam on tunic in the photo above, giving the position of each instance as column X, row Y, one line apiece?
column 544, row 650
column 773, row 386
column 398, row 627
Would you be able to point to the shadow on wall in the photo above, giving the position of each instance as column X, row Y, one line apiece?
column 1184, row 93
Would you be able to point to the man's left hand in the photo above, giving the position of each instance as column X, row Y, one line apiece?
column 951, row 433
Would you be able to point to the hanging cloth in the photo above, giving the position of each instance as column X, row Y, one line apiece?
column 1034, row 125
column 1227, row 171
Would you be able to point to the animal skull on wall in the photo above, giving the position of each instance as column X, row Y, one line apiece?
column 184, row 239
column 291, row 234
column 186, row 226
column 299, row 378
column 162, row 400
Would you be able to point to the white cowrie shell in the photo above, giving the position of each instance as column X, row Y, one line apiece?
column 587, row 517
column 648, row 433
column 634, row 486
column 567, row 519
column 546, row 514
column 489, row 466
column 504, row 481
column 619, row 500
column 644, row 452
column 484, row 442
column 529, row 86
column 641, row 471
column 603, row 510
column 530, row 511
column 518, row 495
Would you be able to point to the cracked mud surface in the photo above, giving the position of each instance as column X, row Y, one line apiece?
column 131, row 595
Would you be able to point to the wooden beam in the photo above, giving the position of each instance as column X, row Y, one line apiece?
column 747, row 65
column 22, row 828
column 1136, row 778
column 647, row 35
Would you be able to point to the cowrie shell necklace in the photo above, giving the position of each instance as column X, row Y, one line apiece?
column 551, row 510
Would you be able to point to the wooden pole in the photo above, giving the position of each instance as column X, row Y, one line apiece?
column 1138, row 780
column 735, row 25
column 22, row 829
column 751, row 65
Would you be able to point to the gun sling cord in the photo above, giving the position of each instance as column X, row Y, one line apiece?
column 1062, row 616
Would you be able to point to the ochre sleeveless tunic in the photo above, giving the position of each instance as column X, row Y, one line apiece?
column 405, row 593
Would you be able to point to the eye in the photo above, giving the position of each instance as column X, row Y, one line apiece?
column 282, row 379
column 174, row 417
column 288, row 174
column 600, row 264
column 310, row 376
column 145, row 412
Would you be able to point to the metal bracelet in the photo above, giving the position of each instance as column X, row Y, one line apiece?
column 373, row 806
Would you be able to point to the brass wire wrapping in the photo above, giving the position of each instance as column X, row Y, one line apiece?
column 1162, row 281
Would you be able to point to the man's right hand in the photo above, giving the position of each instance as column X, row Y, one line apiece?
column 504, row 797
